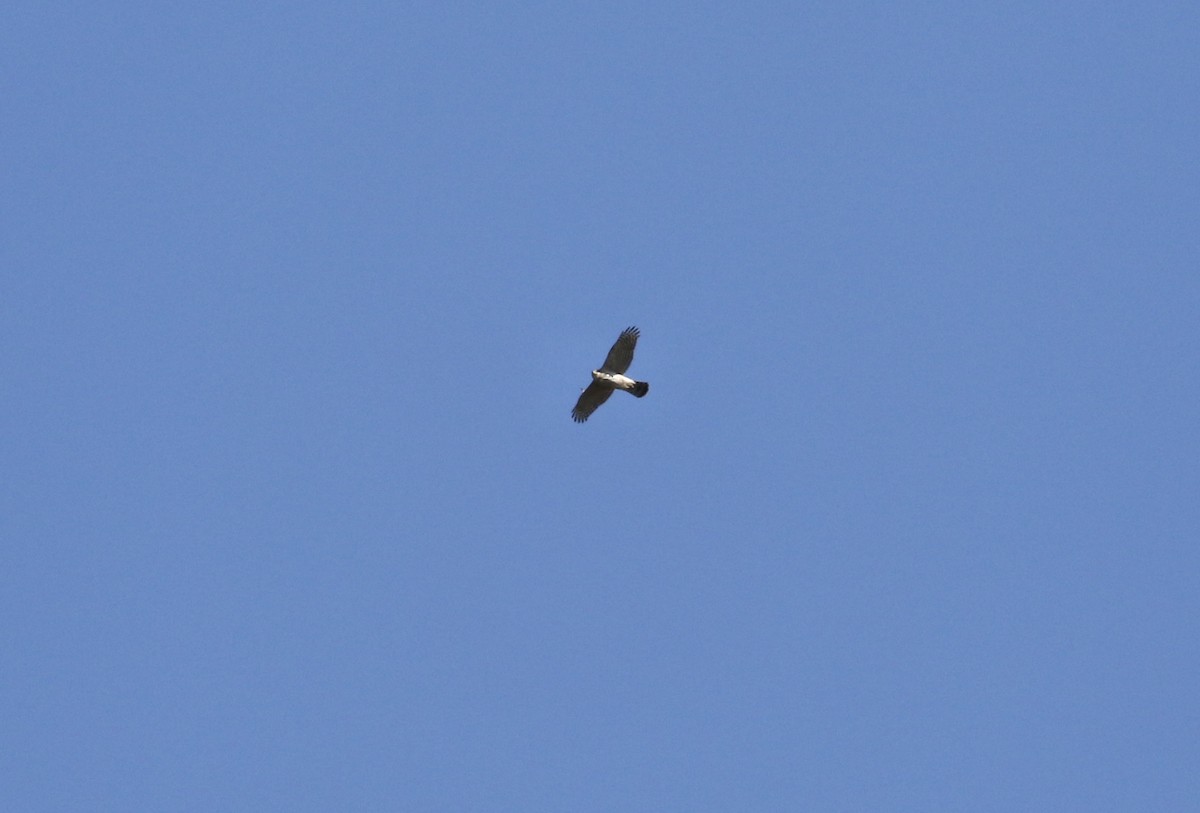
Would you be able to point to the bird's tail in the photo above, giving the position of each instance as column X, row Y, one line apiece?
column 640, row 388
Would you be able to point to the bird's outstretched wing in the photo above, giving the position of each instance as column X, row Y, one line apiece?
column 591, row 398
column 621, row 355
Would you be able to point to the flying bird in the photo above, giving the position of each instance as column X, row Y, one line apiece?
column 611, row 377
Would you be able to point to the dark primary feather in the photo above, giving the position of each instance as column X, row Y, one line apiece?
column 591, row 398
column 621, row 354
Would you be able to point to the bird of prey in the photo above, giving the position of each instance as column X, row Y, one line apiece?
column 611, row 377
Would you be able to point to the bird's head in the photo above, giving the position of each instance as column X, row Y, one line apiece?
column 596, row 374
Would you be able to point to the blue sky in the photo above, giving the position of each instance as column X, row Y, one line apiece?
column 297, row 298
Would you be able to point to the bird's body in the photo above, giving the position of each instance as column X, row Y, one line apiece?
column 611, row 376
column 618, row 381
